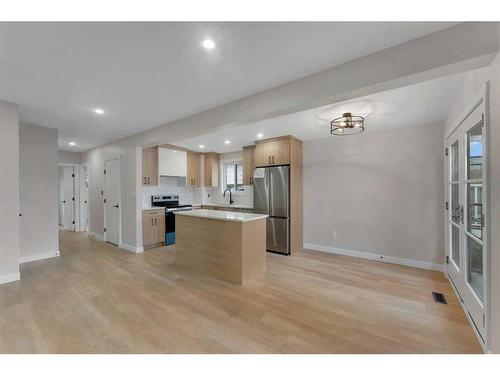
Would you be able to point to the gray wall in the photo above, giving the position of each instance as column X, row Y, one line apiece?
column 380, row 191
column 68, row 157
column 9, row 193
column 38, row 174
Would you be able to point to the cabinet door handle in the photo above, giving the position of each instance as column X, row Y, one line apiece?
column 269, row 159
column 148, row 180
column 273, row 159
column 152, row 222
column 155, row 221
column 144, row 180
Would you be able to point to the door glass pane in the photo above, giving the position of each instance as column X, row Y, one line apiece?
column 475, row 210
column 475, row 152
column 475, row 266
column 454, row 161
column 455, row 245
column 455, row 204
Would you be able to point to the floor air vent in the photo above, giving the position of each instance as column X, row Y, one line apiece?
column 439, row 298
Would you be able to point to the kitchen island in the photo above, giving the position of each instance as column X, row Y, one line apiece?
column 227, row 245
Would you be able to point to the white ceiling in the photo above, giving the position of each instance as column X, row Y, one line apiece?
column 419, row 104
column 148, row 74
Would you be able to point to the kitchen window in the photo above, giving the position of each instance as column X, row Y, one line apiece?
column 233, row 176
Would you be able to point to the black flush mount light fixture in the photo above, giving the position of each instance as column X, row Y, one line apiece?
column 347, row 124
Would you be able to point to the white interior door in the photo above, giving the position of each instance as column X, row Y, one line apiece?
column 84, row 188
column 69, row 198
column 112, row 195
column 61, row 196
column 466, row 217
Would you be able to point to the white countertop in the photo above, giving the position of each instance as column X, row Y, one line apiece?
column 222, row 215
column 226, row 205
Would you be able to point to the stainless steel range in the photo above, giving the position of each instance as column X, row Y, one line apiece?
column 171, row 204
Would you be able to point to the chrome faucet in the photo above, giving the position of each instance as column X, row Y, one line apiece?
column 230, row 195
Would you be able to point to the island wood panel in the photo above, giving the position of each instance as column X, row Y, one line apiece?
column 253, row 249
column 228, row 250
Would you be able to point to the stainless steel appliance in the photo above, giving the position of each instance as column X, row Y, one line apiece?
column 271, row 196
column 171, row 204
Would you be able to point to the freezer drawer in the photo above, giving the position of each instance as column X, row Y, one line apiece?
column 278, row 235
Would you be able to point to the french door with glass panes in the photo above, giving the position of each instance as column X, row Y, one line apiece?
column 466, row 224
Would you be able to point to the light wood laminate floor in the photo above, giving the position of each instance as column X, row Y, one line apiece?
column 97, row 298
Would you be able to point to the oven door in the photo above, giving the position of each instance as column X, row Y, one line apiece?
column 169, row 228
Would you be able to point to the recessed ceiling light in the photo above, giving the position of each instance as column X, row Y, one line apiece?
column 208, row 44
column 202, row 146
column 227, row 141
column 99, row 111
column 72, row 143
column 260, row 135
column 175, row 152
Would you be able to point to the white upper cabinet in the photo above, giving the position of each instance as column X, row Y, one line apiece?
column 172, row 162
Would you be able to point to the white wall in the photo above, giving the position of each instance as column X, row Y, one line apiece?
column 9, row 193
column 380, row 191
column 38, row 176
column 67, row 157
column 473, row 82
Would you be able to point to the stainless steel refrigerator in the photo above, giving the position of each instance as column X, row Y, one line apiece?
column 271, row 196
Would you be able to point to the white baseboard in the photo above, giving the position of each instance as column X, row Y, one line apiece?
column 131, row 248
column 377, row 257
column 96, row 236
column 32, row 258
column 4, row 279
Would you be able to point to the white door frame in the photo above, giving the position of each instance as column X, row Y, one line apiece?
column 119, row 199
column 481, row 98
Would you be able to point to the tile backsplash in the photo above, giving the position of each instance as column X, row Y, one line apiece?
column 214, row 195
column 189, row 195
column 172, row 185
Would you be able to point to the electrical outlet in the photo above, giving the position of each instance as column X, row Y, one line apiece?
column 333, row 234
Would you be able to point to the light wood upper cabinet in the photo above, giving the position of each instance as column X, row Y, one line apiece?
column 153, row 228
column 193, row 169
column 211, row 169
column 150, row 166
column 248, row 164
column 274, row 151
